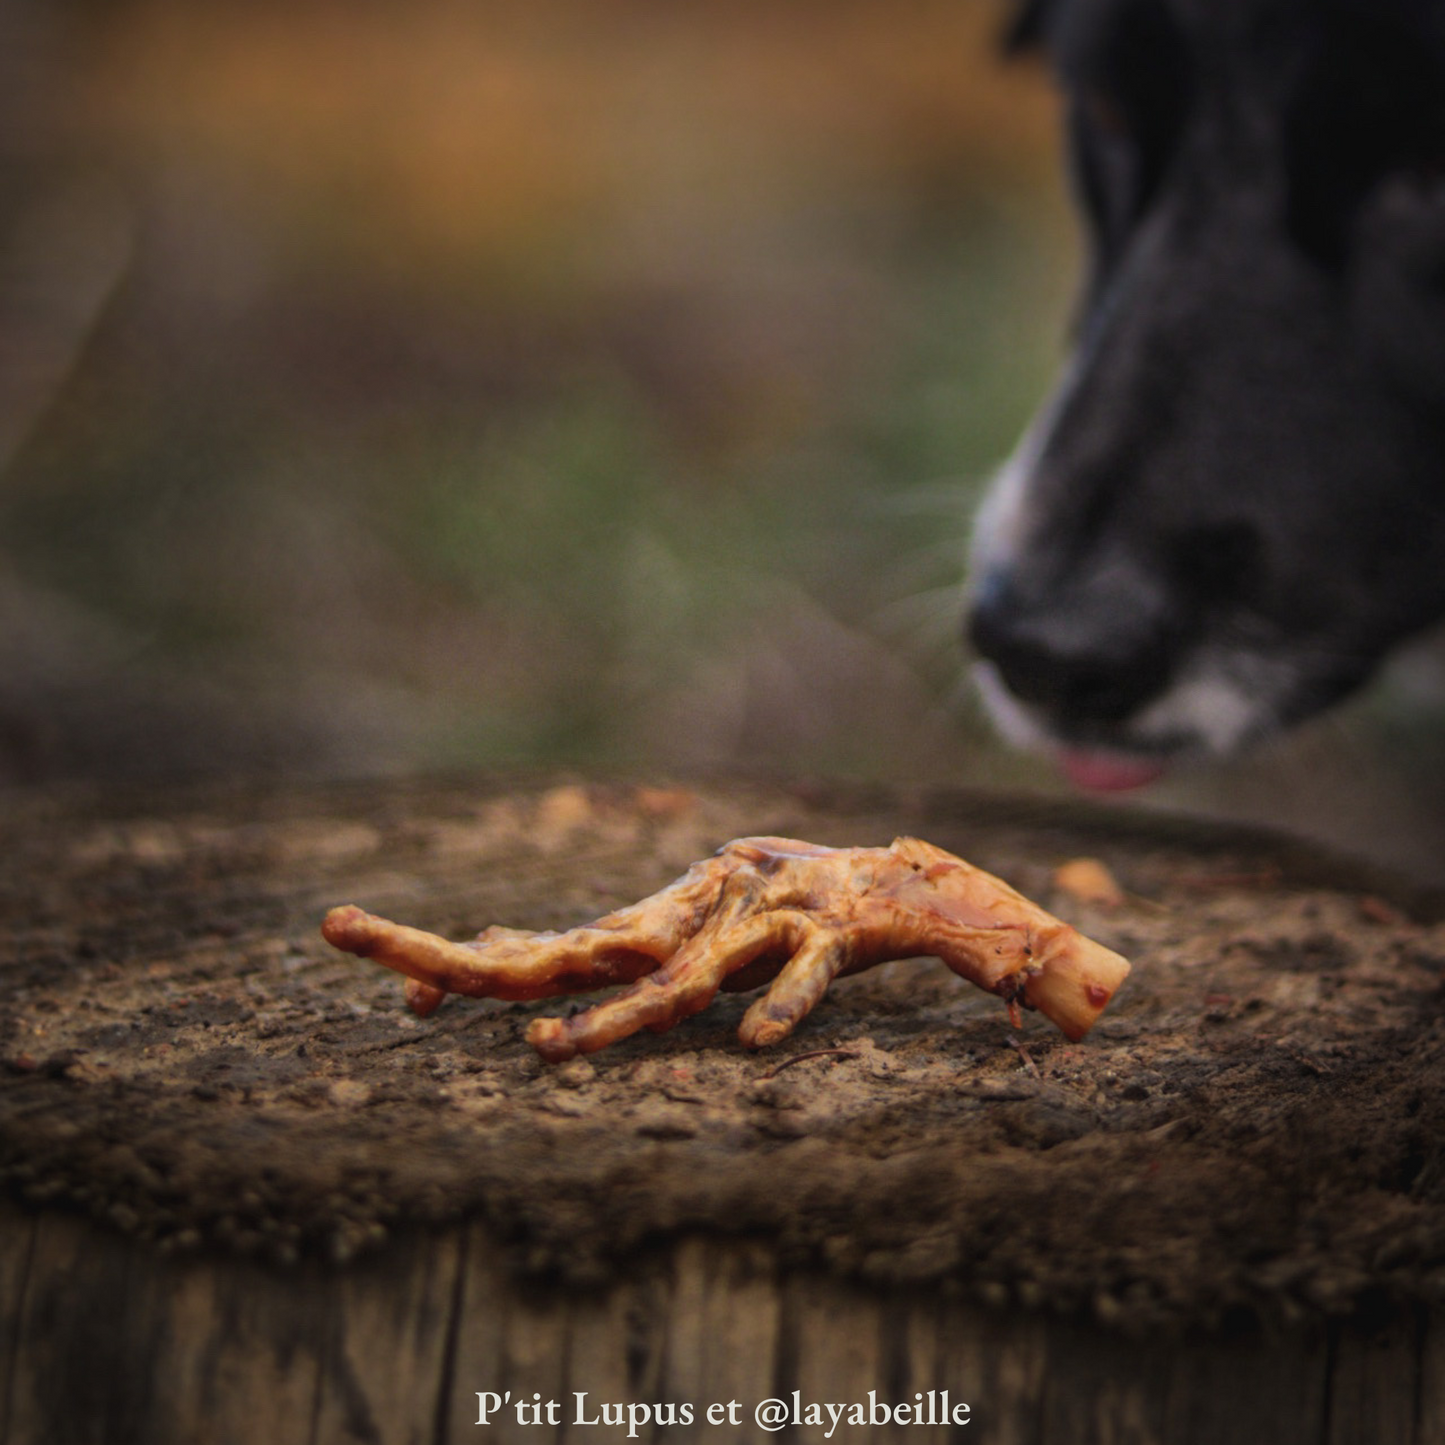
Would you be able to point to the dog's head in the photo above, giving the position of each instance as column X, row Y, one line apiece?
column 1234, row 505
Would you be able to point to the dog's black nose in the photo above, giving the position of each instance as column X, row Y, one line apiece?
column 1083, row 656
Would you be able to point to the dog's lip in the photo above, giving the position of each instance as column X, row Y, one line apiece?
column 1106, row 772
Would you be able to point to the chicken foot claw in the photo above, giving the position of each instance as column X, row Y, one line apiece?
column 763, row 910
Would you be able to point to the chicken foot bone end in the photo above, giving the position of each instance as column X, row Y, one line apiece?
column 762, row 910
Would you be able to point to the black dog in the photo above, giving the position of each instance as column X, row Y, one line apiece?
column 1234, row 505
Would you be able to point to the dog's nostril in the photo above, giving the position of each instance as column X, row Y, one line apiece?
column 1058, row 660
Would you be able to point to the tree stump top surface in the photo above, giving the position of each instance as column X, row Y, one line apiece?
column 1257, row 1123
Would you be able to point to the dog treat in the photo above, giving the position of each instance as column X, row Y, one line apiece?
column 762, row 910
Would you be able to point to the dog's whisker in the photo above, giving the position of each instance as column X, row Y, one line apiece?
column 931, row 616
column 950, row 497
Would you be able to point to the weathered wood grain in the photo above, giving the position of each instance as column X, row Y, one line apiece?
column 723, row 1325
column 1374, row 1383
column 17, row 1247
column 388, row 1327
column 118, row 1343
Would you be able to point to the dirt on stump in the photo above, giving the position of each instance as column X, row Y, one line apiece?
column 1255, row 1128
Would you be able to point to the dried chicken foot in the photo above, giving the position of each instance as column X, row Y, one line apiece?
column 763, row 909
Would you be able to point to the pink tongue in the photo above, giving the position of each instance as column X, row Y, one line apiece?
column 1108, row 773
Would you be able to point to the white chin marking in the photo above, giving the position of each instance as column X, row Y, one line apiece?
column 1214, row 709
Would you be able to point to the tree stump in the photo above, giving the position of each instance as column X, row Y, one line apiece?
column 248, row 1197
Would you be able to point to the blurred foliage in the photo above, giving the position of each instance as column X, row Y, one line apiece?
column 478, row 384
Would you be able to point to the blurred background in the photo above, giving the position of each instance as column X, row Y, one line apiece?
column 598, row 383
